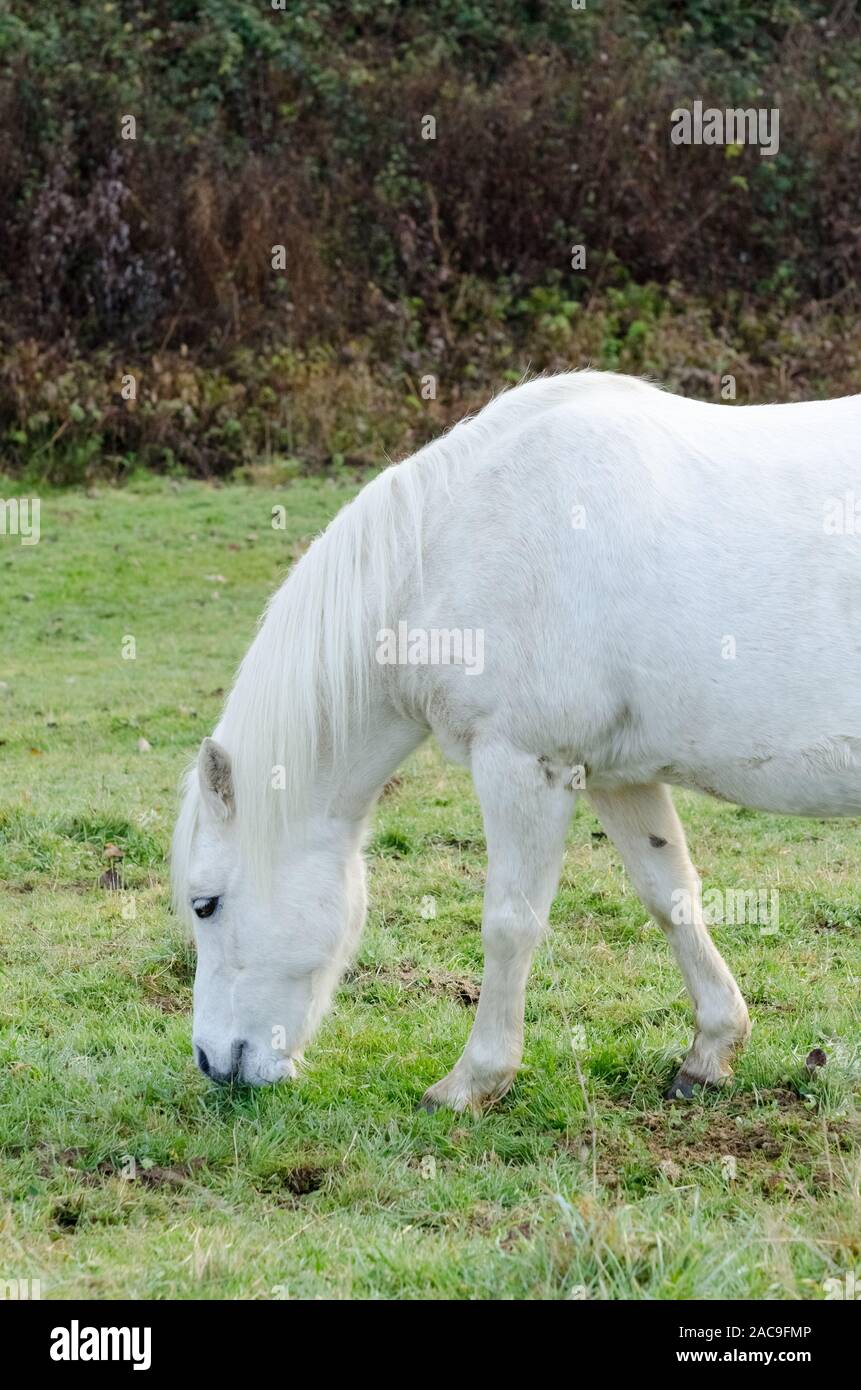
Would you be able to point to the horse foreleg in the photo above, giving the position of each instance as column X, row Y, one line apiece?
column 526, row 810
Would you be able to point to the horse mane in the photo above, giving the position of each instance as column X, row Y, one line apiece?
column 304, row 682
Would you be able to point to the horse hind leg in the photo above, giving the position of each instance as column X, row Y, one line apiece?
column 643, row 824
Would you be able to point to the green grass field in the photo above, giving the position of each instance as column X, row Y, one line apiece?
column 123, row 1173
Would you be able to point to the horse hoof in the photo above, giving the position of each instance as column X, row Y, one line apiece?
column 428, row 1104
column 683, row 1087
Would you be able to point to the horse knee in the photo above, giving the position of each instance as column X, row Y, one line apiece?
column 508, row 932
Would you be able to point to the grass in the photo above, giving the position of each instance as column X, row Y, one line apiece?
column 124, row 1174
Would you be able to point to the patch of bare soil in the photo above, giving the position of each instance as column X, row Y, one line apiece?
column 459, row 987
column 287, row 1186
column 759, row 1142
column 722, row 1137
column 153, row 1175
column 300, row 1181
column 754, row 1131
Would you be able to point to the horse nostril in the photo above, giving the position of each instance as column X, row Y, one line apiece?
column 222, row 1078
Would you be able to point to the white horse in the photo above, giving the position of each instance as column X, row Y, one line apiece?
column 661, row 591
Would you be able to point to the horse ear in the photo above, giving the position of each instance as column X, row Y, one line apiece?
column 216, row 779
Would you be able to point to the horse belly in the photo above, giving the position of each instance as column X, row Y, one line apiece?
column 821, row 781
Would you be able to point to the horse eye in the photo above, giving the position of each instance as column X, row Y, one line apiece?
column 204, row 907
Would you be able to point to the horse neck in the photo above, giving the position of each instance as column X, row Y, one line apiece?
column 346, row 787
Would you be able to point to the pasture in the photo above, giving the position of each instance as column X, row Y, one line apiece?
column 124, row 1173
